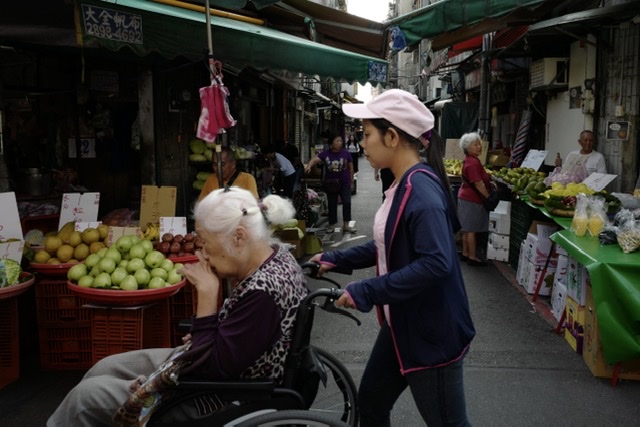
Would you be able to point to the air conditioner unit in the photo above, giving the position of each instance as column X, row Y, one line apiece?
column 548, row 71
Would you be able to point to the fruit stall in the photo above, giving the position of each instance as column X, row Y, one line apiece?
column 592, row 260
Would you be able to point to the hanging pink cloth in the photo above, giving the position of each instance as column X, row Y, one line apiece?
column 214, row 110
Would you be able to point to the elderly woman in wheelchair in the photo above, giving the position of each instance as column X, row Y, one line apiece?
column 247, row 338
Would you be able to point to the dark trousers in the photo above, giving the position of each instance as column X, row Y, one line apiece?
column 332, row 202
column 355, row 157
column 438, row 392
column 288, row 185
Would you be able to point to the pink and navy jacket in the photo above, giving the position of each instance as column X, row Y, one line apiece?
column 428, row 306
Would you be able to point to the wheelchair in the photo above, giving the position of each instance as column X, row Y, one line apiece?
column 317, row 389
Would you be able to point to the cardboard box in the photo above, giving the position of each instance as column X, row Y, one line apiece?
column 558, row 298
column 528, row 275
column 116, row 232
column 500, row 218
column 538, row 245
column 574, row 324
column 497, row 254
column 499, row 241
column 156, row 202
column 561, row 269
column 592, row 347
column 454, row 152
column 577, row 281
column 497, row 159
column 292, row 238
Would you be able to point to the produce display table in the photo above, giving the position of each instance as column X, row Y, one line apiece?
column 615, row 286
column 616, row 292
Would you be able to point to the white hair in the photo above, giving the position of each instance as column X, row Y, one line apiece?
column 467, row 139
column 223, row 211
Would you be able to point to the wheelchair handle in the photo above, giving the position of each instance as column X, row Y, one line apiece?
column 314, row 267
column 331, row 295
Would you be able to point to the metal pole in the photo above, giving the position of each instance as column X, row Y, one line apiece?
column 212, row 70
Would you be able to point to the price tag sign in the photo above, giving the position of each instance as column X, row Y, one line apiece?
column 10, row 227
column 116, row 232
column 79, row 207
column 534, row 159
column 81, row 226
column 598, row 181
column 12, row 250
column 173, row 224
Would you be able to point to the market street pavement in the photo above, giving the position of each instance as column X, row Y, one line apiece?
column 517, row 373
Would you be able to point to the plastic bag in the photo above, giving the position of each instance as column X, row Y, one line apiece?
column 597, row 215
column 580, row 220
column 577, row 174
column 628, row 231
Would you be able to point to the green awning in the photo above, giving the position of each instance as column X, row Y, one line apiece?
column 449, row 15
column 145, row 27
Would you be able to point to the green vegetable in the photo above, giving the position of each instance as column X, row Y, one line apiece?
column 202, row 176
column 9, row 272
column 197, row 146
column 197, row 158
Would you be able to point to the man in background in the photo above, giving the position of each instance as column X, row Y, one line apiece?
column 591, row 159
column 231, row 176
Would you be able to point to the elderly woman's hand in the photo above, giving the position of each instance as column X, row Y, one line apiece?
column 201, row 276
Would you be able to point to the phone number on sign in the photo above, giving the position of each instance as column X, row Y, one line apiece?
column 106, row 32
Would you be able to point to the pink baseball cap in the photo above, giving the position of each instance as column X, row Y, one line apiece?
column 401, row 108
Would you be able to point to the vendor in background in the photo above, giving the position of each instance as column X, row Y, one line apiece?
column 230, row 175
column 285, row 172
column 353, row 147
column 291, row 152
column 473, row 217
column 337, row 181
column 592, row 160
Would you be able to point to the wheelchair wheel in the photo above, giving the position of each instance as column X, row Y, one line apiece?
column 291, row 418
column 338, row 398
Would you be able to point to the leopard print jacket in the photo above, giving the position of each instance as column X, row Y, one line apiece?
column 281, row 277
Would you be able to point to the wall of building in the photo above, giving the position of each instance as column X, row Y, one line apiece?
column 619, row 102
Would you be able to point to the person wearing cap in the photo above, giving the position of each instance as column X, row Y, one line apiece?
column 337, row 181
column 419, row 292
column 475, row 187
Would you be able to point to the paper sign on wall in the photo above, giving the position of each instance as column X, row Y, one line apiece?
column 12, row 250
column 597, row 181
column 156, row 202
column 79, row 207
column 10, row 227
column 174, row 225
column 81, row 226
column 534, row 159
column 454, row 152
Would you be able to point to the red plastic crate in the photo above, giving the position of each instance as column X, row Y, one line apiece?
column 65, row 345
column 181, row 306
column 56, row 303
column 119, row 329
column 9, row 342
column 44, row 223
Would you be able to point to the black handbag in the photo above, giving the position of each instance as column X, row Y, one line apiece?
column 491, row 201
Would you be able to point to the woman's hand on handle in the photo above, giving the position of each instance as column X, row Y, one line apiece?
column 323, row 267
column 345, row 301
